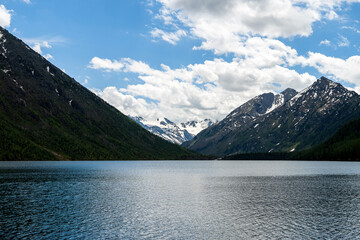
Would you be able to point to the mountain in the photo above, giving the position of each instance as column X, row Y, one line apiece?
column 296, row 123
column 238, row 120
column 344, row 145
column 194, row 127
column 172, row 132
column 45, row 114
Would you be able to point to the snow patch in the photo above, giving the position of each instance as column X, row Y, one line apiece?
column 292, row 150
column 4, row 50
column 48, row 70
column 333, row 84
column 278, row 101
column 299, row 95
column 176, row 133
column 18, row 85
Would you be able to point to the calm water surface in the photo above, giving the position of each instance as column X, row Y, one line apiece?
column 179, row 200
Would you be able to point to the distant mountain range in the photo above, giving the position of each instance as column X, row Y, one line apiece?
column 46, row 115
column 286, row 122
column 172, row 132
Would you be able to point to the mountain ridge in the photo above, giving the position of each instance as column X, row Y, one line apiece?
column 47, row 115
column 303, row 121
column 172, row 132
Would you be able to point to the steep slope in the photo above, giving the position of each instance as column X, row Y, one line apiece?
column 238, row 120
column 307, row 119
column 172, row 132
column 45, row 114
column 344, row 145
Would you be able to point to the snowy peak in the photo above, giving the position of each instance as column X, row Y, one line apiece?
column 322, row 91
column 288, row 93
column 175, row 133
column 194, row 127
column 291, row 123
column 262, row 104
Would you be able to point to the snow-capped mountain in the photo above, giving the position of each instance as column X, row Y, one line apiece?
column 175, row 133
column 256, row 107
column 194, row 127
column 293, row 121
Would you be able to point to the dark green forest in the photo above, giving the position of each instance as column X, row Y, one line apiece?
column 343, row 146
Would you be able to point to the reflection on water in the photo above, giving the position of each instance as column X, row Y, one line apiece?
column 180, row 200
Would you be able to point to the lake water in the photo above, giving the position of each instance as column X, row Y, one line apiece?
column 180, row 200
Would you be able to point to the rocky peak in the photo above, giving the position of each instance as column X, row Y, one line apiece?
column 288, row 93
column 172, row 132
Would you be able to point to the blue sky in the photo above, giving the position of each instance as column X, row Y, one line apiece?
column 190, row 60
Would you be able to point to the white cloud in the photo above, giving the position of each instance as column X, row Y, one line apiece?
column 246, row 29
column 351, row 28
column 347, row 70
column 224, row 26
column 343, row 41
column 27, row 1
column 272, row 18
column 105, row 64
column 170, row 37
column 48, row 56
column 331, row 15
column 86, row 80
column 127, row 104
column 198, row 91
column 5, row 16
column 325, row 42
column 38, row 45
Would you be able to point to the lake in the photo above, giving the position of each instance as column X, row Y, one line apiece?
column 180, row 200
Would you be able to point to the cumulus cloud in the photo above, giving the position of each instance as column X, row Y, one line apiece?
column 105, row 64
column 5, row 16
column 272, row 18
column 224, row 26
column 39, row 44
column 198, row 91
column 127, row 104
column 347, row 70
column 248, row 31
